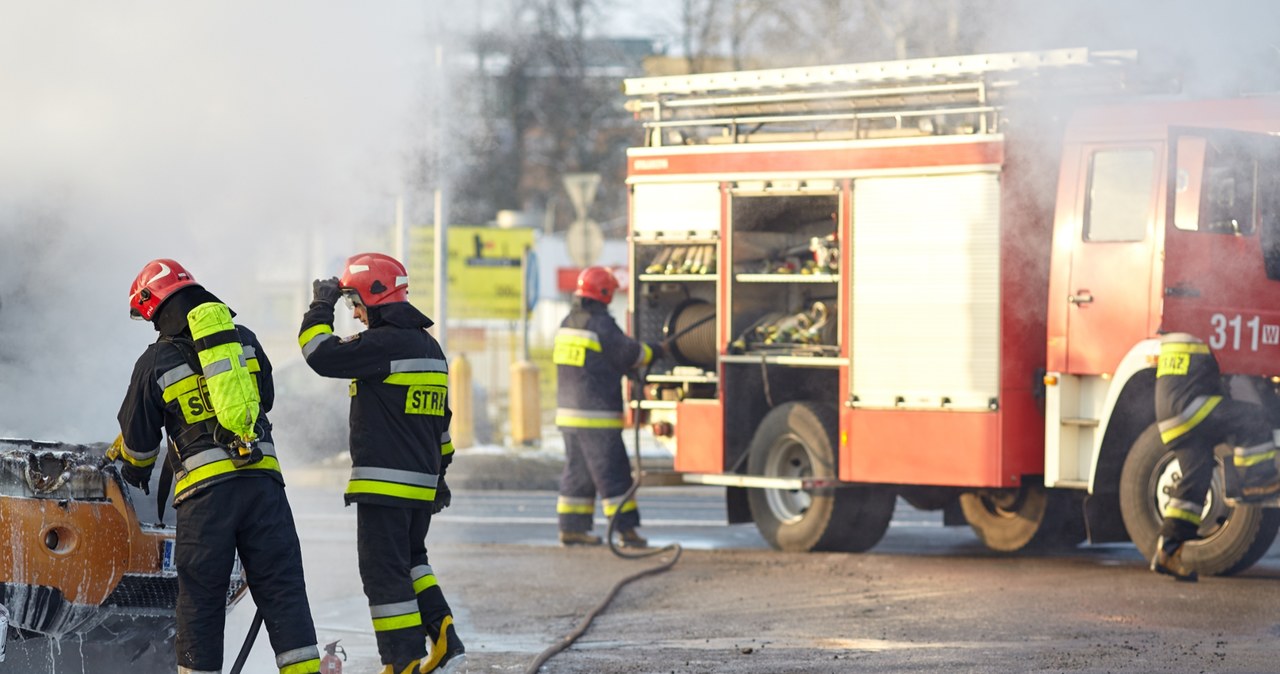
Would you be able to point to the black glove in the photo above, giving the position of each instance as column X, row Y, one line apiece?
column 138, row 477
column 443, row 497
column 326, row 291
column 661, row 349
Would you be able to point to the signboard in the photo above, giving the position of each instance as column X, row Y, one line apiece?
column 485, row 274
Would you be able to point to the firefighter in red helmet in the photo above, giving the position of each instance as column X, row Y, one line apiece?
column 400, row 449
column 591, row 356
column 225, row 503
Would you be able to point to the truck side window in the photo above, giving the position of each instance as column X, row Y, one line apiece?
column 1120, row 195
column 1228, row 197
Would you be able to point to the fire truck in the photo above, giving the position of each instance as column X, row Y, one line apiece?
column 944, row 281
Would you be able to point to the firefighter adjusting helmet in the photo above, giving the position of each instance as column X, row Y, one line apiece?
column 159, row 279
column 375, row 279
column 596, row 283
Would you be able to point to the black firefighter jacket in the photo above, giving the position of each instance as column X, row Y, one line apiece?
column 400, row 412
column 591, row 355
column 166, row 392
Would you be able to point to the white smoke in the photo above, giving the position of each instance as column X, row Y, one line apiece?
column 254, row 142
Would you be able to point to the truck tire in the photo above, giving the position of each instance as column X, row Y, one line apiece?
column 798, row 439
column 1028, row 518
column 1232, row 539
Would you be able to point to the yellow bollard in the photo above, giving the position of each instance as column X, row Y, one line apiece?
column 462, row 428
column 526, row 412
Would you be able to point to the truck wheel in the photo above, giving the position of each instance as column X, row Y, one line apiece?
column 1029, row 517
column 797, row 440
column 1231, row 539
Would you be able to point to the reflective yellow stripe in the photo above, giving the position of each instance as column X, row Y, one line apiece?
column 611, row 510
column 1184, row 427
column 575, row 340
column 646, row 355
column 184, row 385
column 417, row 379
column 398, row 622
column 446, row 449
column 141, row 463
column 220, row 467
column 1184, row 347
column 424, row 582
column 311, row 333
column 391, row 489
column 584, row 422
column 304, row 667
column 574, row 509
column 1178, row 514
column 1247, row 461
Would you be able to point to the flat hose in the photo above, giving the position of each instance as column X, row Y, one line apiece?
column 248, row 642
column 675, row 548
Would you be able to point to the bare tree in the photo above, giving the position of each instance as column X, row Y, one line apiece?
column 543, row 100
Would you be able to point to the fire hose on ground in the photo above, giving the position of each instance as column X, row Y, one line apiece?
column 675, row 548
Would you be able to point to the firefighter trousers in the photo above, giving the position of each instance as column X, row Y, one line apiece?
column 249, row 515
column 595, row 463
column 404, row 597
column 1233, row 422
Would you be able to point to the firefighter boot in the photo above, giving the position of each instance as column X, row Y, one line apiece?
column 448, row 655
column 568, row 538
column 1168, row 561
column 1257, row 467
column 407, row 669
column 628, row 538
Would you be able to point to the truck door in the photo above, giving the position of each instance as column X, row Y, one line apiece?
column 1222, row 247
column 1110, row 271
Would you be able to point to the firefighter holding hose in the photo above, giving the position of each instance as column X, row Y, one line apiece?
column 591, row 356
column 206, row 383
column 1194, row 415
column 400, row 448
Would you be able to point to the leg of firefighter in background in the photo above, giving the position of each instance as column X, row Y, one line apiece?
column 1186, row 502
column 577, row 502
column 382, row 547
column 611, row 471
column 272, row 560
column 446, row 652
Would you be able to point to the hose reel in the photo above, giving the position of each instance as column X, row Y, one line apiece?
column 691, row 330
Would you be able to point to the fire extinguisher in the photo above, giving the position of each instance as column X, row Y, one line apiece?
column 330, row 664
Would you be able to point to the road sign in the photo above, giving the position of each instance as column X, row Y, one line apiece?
column 584, row 238
column 585, row 242
column 582, row 191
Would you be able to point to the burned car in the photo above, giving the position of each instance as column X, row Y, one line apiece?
column 85, row 556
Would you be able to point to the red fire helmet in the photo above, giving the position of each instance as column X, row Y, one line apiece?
column 158, row 279
column 597, row 283
column 376, row 278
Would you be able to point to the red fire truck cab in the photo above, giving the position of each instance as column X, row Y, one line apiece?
column 944, row 280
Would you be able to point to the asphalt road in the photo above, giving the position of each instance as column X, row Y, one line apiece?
column 927, row 598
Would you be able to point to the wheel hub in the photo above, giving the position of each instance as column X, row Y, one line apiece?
column 789, row 460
